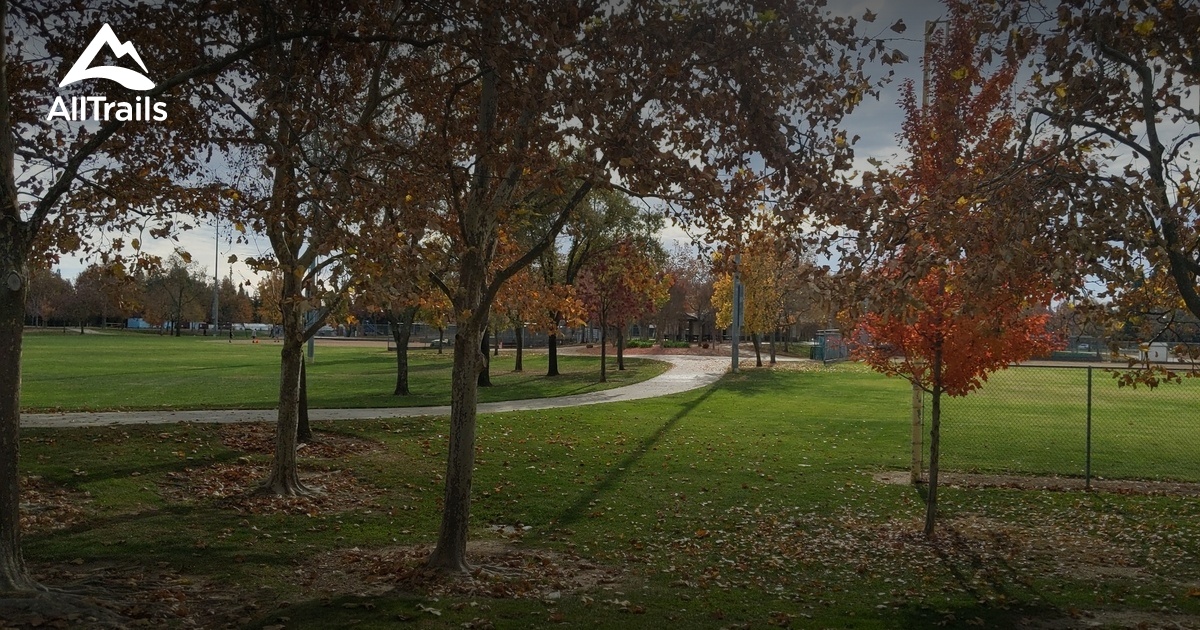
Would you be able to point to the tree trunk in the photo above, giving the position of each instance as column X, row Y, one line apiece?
column 496, row 345
column 485, row 370
column 518, row 332
column 603, row 350
column 401, row 326
column 14, row 576
column 757, row 339
column 303, row 430
column 441, row 338
column 620, row 347
column 552, row 354
column 450, row 554
column 774, row 334
column 285, row 479
column 935, row 434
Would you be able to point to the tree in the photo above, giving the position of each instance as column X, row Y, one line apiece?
column 48, row 295
column 530, row 103
column 117, row 172
column 302, row 124
column 691, row 294
column 233, row 303
column 177, row 293
column 618, row 288
column 603, row 218
column 762, row 268
column 951, row 272
column 1115, row 85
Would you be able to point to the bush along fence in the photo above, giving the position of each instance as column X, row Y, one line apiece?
column 1066, row 421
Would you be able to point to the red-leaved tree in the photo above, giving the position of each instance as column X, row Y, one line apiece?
column 956, row 277
column 617, row 289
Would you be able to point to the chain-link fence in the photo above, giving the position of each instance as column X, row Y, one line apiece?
column 1071, row 421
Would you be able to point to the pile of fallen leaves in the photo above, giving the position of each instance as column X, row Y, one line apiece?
column 236, row 486
column 124, row 597
column 259, row 439
column 47, row 507
column 502, row 570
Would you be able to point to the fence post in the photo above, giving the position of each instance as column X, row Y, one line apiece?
column 917, row 434
column 1087, row 466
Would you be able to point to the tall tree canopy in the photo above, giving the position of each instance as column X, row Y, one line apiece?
column 1115, row 108
column 529, row 107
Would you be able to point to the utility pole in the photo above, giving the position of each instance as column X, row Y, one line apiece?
column 736, row 331
column 216, row 274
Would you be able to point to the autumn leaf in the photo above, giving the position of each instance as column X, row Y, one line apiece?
column 1145, row 27
column 899, row 26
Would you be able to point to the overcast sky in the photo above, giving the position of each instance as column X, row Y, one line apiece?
column 876, row 121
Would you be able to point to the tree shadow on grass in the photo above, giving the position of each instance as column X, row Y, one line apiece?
column 578, row 510
column 975, row 561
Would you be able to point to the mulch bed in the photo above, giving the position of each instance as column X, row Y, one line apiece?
column 259, row 439
column 235, row 486
column 128, row 596
column 1056, row 484
column 501, row 570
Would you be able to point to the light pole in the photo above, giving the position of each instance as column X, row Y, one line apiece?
column 738, row 292
column 216, row 274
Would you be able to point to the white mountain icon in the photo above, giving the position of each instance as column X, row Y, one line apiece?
column 129, row 78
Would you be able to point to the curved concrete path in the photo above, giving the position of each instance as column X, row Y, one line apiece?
column 686, row 373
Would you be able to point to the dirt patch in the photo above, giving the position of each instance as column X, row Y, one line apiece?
column 259, row 439
column 107, row 596
column 46, row 506
column 1056, row 484
column 502, row 570
column 235, row 486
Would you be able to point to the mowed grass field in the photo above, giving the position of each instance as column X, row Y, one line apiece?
column 752, row 503
column 1033, row 420
column 145, row 372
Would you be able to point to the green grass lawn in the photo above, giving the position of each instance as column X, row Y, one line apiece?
column 132, row 371
column 750, row 503
column 1033, row 420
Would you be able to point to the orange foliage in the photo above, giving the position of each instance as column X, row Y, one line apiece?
column 974, row 334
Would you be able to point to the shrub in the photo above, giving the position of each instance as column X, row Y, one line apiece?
column 667, row 343
column 639, row 343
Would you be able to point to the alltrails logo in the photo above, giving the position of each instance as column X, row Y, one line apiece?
column 99, row 107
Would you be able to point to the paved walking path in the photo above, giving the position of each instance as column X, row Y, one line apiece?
column 686, row 373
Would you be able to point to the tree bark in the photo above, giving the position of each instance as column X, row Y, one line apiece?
column 304, row 433
column 441, row 338
column 485, row 373
column 450, row 554
column 552, row 354
column 774, row 334
column 757, row 339
column 620, row 347
column 285, row 478
column 496, row 344
column 401, row 325
column 935, row 434
column 603, row 350
column 518, row 332
column 14, row 576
